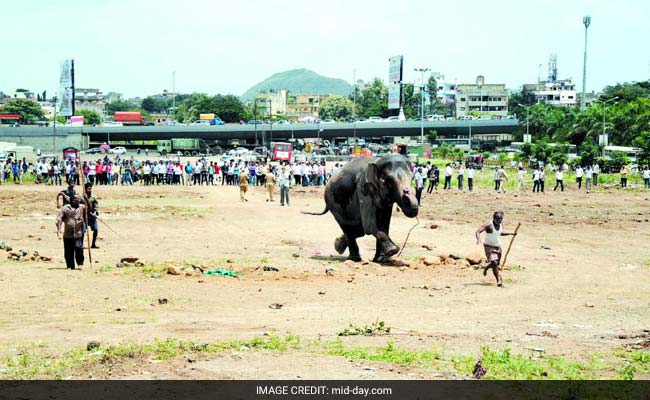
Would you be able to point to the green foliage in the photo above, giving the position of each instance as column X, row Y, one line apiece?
column 373, row 100
column 505, row 365
column 337, row 108
column 541, row 151
column 432, row 135
column 643, row 142
column 228, row 107
column 617, row 160
column 91, row 117
column 526, row 151
column 156, row 105
column 119, row 106
column 29, row 110
column 432, row 92
column 589, row 151
column 375, row 328
column 390, row 353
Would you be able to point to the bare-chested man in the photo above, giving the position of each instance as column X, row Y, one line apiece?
column 492, row 244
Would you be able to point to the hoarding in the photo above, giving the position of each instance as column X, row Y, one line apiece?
column 394, row 96
column 395, row 69
column 64, row 103
column 77, row 120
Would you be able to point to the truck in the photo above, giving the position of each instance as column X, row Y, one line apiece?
column 129, row 118
column 211, row 118
column 186, row 147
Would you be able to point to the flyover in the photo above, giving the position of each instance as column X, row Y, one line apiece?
column 48, row 138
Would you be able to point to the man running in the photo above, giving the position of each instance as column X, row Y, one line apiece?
column 492, row 244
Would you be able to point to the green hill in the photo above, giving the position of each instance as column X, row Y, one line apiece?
column 300, row 81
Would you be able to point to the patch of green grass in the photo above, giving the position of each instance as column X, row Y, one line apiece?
column 390, row 353
column 264, row 260
column 105, row 268
column 375, row 328
column 505, row 365
column 634, row 361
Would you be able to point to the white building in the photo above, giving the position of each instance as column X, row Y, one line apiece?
column 561, row 93
column 446, row 89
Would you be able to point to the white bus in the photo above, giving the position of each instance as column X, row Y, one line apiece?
column 457, row 143
column 630, row 152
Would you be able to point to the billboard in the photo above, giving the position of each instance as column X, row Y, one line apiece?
column 395, row 69
column 394, row 96
column 77, row 120
column 64, row 103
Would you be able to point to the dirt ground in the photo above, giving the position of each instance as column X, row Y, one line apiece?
column 581, row 274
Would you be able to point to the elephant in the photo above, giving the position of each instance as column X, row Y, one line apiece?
column 361, row 195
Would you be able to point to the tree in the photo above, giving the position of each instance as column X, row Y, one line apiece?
column 148, row 104
column 29, row 110
column 541, row 151
column 337, row 108
column 589, row 151
column 91, row 117
column 643, row 142
column 118, row 106
column 373, row 100
column 432, row 92
column 229, row 108
column 526, row 151
column 524, row 97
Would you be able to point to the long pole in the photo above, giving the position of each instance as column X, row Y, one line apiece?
column 85, row 199
column 505, row 258
column 354, row 103
column 583, row 99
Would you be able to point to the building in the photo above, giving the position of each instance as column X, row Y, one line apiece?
column 113, row 97
column 273, row 103
column 23, row 94
column 481, row 98
column 561, row 93
column 446, row 89
column 89, row 99
column 304, row 106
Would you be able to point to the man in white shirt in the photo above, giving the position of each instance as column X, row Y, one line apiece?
column 520, row 179
column 589, row 174
column 284, row 180
column 579, row 173
column 595, row 171
column 461, row 175
column 646, row 177
column 448, row 172
column 146, row 171
column 536, row 180
column 419, row 178
column 559, row 180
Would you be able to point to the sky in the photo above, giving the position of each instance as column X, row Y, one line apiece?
column 133, row 47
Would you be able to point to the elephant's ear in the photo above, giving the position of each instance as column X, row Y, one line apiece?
column 372, row 184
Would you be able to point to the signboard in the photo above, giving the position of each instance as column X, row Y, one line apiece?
column 395, row 69
column 603, row 140
column 394, row 96
column 77, row 120
column 64, row 103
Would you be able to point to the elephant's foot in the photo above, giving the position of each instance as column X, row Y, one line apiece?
column 389, row 248
column 380, row 259
column 340, row 244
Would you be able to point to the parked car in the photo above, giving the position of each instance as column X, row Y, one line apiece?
column 254, row 122
column 117, row 150
column 282, row 122
column 201, row 122
column 375, row 119
column 94, row 150
column 328, row 121
column 393, row 118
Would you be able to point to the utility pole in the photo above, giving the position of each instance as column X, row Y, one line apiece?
column 527, row 120
column 583, row 99
column 422, row 87
column 174, row 93
column 604, row 103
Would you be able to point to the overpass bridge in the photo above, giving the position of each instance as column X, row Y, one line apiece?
column 48, row 138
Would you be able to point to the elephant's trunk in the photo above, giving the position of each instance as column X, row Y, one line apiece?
column 408, row 203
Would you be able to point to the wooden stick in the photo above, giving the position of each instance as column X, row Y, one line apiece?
column 503, row 264
column 83, row 188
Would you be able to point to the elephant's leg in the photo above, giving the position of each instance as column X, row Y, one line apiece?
column 385, row 246
column 353, row 246
column 341, row 243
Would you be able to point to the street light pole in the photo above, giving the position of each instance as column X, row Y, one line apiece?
column 604, row 103
column 422, row 71
column 527, row 119
column 583, row 99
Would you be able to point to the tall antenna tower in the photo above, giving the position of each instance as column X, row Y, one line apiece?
column 552, row 68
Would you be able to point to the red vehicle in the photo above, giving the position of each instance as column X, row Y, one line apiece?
column 281, row 151
column 129, row 117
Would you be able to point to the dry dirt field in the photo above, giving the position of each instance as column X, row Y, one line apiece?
column 576, row 289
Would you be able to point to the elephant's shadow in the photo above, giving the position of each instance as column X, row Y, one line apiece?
column 333, row 258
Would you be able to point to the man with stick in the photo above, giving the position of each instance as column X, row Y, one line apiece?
column 71, row 216
column 492, row 244
column 91, row 202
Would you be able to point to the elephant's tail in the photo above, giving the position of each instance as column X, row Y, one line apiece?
column 313, row 213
